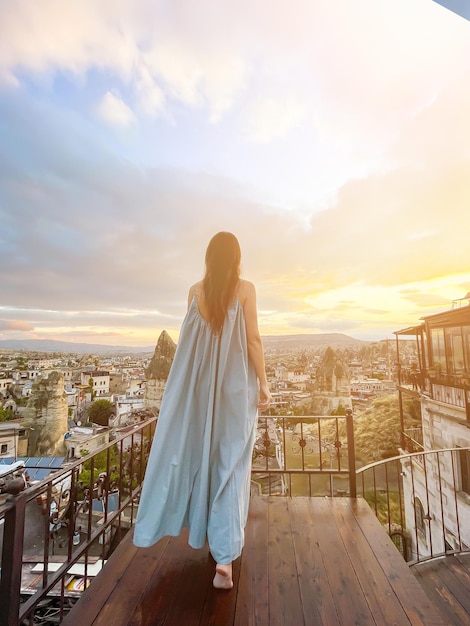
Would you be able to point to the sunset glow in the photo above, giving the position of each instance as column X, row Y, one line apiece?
column 332, row 137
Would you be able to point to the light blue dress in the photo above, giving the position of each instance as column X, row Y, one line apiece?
column 198, row 474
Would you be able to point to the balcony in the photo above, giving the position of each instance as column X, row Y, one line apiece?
column 316, row 555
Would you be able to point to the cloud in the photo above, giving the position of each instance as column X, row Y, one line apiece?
column 270, row 119
column 115, row 111
column 15, row 326
column 150, row 96
column 380, row 67
column 359, row 109
column 93, row 232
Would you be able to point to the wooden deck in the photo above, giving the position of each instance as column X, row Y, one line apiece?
column 447, row 582
column 306, row 561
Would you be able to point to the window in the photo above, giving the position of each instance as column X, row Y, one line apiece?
column 454, row 345
column 438, row 349
column 465, row 470
column 4, row 448
column 466, row 343
column 419, row 518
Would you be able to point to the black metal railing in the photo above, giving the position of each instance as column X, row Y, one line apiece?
column 57, row 534
column 305, row 456
column 420, row 499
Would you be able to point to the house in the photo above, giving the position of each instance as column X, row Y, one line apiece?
column 5, row 384
column 81, row 441
column 100, row 382
column 13, row 439
column 439, row 381
column 126, row 405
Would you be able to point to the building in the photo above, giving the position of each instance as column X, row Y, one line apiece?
column 100, row 382
column 82, row 441
column 125, row 406
column 13, row 439
column 5, row 383
column 439, row 381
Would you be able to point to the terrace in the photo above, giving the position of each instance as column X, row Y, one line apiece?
column 321, row 543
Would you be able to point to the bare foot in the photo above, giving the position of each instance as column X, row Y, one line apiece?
column 223, row 576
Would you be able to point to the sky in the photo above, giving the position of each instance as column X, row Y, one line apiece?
column 331, row 137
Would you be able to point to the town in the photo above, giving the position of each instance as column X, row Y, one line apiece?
column 70, row 404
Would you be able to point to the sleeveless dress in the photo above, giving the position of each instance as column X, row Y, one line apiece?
column 198, row 473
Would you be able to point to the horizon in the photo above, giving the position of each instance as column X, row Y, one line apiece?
column 151, row 346
column 330, row 137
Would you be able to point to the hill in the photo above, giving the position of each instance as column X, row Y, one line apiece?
column 319, row 340
column 274, row 342
column 50, row 345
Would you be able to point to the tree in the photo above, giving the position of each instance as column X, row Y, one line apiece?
column 90, row 386
column 4, row 414
column 100, row 412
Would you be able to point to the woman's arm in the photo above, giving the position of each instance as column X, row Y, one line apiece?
column 255, row 345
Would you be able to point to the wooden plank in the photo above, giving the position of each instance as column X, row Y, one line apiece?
column 219, row 607
column 377, row 590
column 420, row 610
column 121, row 606
column 163, row 589
column 252, row 607
column 460, row 565
column 317, row 599
column 441, row 584
column 449, row 574
column 351, row 605
column 195, row 569
column 285, row 604
column 104, row 584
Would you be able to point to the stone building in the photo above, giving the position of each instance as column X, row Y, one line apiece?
column 158, row 370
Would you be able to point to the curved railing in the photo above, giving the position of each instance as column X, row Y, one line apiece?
column 423, row 499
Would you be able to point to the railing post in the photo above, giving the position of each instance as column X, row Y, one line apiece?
column 12, row 561
column 351, row 453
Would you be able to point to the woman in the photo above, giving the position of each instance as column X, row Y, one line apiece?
column 198, row 474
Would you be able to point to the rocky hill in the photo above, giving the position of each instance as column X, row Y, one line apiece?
column 319, row 340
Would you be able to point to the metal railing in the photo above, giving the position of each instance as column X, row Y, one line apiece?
column 412, row 439
column 305, row 456
column 58, row 533
column 453, row 389
column 421, row 500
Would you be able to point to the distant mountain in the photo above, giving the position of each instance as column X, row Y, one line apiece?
column 276, row 342
column 318, row 340
column 50, row 345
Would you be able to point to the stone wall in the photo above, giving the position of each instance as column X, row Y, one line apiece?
column 154, row 393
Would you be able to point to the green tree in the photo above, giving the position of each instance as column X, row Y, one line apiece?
column 4, row 414
column 90, row 386
column 100, row 412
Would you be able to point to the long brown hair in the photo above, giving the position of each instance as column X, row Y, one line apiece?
column 221, row 278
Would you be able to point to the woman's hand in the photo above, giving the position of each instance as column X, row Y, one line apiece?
column 264, row 397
